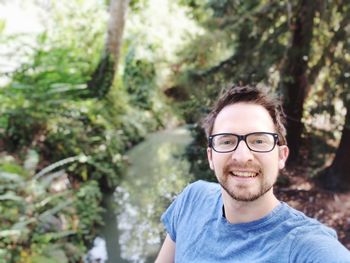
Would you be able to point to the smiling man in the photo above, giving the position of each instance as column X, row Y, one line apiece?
column 240, row 219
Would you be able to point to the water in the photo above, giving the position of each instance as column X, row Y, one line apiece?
column 157, row 172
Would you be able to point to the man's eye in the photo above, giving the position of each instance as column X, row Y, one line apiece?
column 259, row 141
column 225, row 142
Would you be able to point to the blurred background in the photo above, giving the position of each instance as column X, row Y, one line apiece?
column 100, row 109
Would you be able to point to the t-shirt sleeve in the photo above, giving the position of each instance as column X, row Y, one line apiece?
column 317, row 248
column 171, row 216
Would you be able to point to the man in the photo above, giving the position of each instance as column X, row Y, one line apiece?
column 240, row 219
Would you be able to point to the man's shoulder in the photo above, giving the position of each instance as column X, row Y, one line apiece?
column 314, row 240
column 304, row 225
column 319, row 244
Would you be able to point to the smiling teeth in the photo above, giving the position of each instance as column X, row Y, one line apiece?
column 244, row 174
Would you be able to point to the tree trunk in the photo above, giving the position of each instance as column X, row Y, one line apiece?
column 294, row 82
column 337, row 176
column 102, row 78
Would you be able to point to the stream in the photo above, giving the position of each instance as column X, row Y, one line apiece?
column 158, row 171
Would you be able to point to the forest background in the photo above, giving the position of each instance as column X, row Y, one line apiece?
column 98, row 76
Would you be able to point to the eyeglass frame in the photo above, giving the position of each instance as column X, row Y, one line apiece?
column 243, row 138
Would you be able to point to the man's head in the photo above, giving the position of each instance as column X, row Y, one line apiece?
column 253, row 95
column 246, row 170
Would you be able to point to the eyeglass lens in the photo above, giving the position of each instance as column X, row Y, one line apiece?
column 255, row 141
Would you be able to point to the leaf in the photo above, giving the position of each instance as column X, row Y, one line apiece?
column 13, row 168
column 56, row 165
column 2, row 25
column 10, row 177
column 56, row 209
column 10, row 232
column 49, row 178
column 11, row 196
column 44, row 259
column 22, row 224
column 31, row 161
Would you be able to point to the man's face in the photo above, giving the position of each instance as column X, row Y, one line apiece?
column 244, row 174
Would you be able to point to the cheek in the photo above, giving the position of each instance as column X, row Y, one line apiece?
column 219, row 161
column 269, row 163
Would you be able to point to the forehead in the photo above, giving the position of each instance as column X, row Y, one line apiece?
column 242, row 118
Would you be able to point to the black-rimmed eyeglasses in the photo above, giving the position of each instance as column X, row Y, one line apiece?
column 256, row 141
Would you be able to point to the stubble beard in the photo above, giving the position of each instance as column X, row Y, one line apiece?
column 238, row 192
column 246, row 197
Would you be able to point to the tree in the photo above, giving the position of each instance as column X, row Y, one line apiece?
column 336, row 176
column 292, row 46
column 294, row 81
column 103, row 76
column 247, row 42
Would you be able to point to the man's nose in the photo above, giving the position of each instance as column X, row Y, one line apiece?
column 242, row 154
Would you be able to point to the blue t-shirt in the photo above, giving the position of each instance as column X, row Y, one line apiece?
column 202, row 234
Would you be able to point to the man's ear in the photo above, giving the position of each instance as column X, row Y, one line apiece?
column 210, row 158
column 283, row 154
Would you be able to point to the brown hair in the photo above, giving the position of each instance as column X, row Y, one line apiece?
column 251, row 94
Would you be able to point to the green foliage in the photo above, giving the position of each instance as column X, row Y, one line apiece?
column 2, row 25
column 12, row 168
column 37, row 221
column 49, row 122
column 139, row 80
column 246, row 42
column 89, row 195
column 200, row 10
column 137, row 5
column 102, row 79
column 196, row 154
column 54, row 119
column 47, row 105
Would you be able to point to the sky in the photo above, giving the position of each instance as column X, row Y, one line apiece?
column 20, row 17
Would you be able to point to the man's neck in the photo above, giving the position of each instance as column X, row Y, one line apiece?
column 244, row 212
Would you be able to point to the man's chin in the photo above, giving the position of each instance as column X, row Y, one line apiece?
column 243, row 195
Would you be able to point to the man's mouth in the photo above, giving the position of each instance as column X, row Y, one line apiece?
column 244, row 174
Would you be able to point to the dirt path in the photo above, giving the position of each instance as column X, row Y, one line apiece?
column 332, row 209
